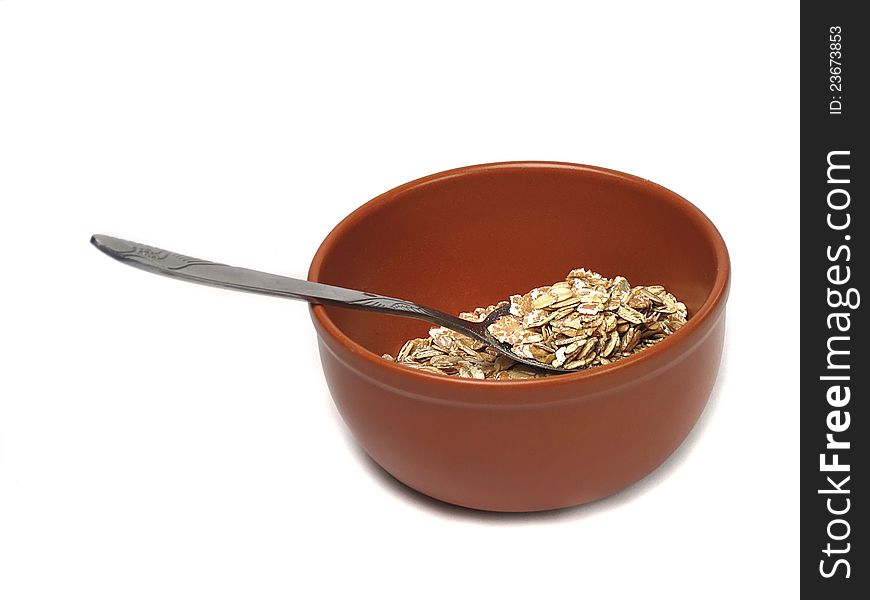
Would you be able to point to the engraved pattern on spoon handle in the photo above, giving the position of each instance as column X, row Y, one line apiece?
column 410, row 309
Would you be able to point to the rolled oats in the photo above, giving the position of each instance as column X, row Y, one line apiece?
column 579, row 323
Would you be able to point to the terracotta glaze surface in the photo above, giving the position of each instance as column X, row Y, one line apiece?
column 471, row 237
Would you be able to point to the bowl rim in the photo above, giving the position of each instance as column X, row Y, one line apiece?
column 718, row 294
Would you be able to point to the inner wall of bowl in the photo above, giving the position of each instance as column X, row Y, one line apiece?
column 474, row 239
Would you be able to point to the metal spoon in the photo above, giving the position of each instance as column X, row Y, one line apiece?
column 164, row 262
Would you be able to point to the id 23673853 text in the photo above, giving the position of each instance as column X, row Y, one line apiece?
column 835, row 69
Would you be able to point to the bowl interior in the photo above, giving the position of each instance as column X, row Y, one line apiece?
column 474, row 236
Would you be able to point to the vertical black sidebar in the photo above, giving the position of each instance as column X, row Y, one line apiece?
column 834, row 368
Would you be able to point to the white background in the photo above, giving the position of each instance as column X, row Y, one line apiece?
column 163, row 440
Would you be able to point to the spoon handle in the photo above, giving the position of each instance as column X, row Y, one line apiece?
column 171, row 264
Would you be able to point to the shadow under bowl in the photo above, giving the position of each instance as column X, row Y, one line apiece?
column 473, row 236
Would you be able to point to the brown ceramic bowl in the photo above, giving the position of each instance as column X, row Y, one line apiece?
column 471, row 237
